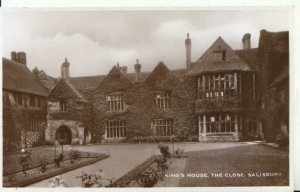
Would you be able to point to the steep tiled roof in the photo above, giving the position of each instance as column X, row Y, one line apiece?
column 248, row 55
column 76, row 91
column 18, row 77
column 206, row 64
column 87, row 81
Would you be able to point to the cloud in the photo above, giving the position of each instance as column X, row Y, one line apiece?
column 94, row 41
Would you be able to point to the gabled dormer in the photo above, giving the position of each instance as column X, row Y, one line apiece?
column 219, row 57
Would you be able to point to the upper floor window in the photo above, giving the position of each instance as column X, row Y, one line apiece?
column 19, row 98
column 219, row 56
column 219, row 85
column 63, row 105
column 162, row 99
column 115, row 102
column 34, row 101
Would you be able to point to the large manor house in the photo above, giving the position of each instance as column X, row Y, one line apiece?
column 225, row 95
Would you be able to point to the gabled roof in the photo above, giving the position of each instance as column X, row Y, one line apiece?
column 115, row 80
column 206, row 64
column 71, row 87
column 90, row 82
column 161, row 77
column 17, row 77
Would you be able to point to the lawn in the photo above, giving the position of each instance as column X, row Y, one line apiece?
column 255, row 165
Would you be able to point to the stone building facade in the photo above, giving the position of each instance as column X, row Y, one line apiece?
column 67, row 111
column 24, row 104
column 225, row 95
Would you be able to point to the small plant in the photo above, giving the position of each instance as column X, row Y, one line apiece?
column 57, row 182
column 147, row 177
column 58, row 159
column 43, row 164
column 74, row 155
column 89, row 180
column 25, row 160
column 164, row 150
column 75, row 142
column 161, row 164
column 178, row 152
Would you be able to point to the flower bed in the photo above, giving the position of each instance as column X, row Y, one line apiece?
column 157, row 139
column 43, row 167
column 148, row 173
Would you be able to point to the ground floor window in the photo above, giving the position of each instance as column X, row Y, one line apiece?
column 115, row 129
column 162, row 127
column 252, row 126
column 34, row 125
column 218, row 123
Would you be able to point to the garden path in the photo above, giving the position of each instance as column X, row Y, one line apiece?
column 125, row 157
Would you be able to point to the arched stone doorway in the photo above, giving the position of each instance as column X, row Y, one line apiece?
column 64, row 133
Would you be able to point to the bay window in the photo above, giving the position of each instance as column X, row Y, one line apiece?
column 219, row 85
column 218, row 123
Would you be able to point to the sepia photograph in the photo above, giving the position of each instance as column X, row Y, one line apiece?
column 146, row 98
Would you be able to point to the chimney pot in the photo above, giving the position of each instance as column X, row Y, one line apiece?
column 246, row 41
column 21, row 57
column 65, row 70
column 188, row 46
column 14, row 56
column 137, row 68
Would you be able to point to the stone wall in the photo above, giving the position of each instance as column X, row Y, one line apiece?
column 76, row 129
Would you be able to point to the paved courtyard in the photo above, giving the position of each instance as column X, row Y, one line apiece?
column 125, row 157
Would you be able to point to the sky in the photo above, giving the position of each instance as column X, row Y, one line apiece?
column 95, row 41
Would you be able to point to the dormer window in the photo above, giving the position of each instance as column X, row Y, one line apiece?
column 62, row 105
column 162, row 99
column 219, row 56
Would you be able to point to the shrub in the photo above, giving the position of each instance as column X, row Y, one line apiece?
column 161, row 164
column 49, row 143
column 282, row 142
column 164, row 150
column 37, row 144
column 74, row 155
column 25, row 160
column 75, row 142
column 10, row 146
column 193, row 138
column 92, row 179
column 147, row 177
column 43, row 164
column 178, row 152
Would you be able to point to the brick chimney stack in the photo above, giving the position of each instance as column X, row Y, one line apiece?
column 19, row 57
column 137, row 68
column 246, row 41
column 188, row 46
column 65, row 70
